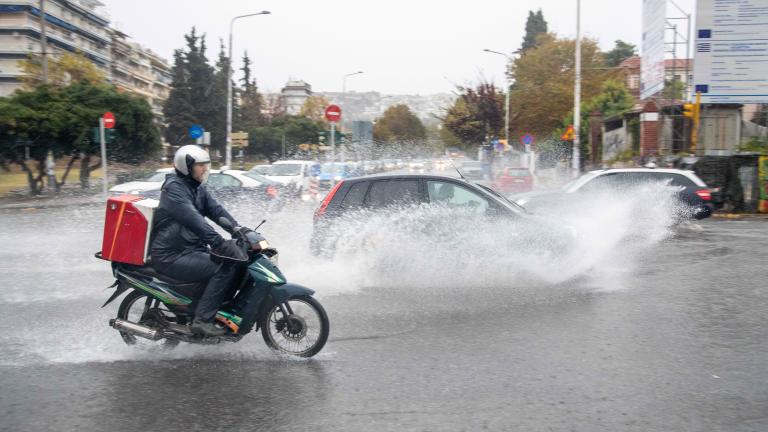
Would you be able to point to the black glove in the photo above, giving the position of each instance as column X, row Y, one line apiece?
column 229, row 250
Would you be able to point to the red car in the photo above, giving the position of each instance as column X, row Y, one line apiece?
column 513, row 180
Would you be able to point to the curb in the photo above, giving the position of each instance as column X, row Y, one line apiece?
column 50, row 203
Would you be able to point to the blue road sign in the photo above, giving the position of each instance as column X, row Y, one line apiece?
column 526, row 139
column 196, row 131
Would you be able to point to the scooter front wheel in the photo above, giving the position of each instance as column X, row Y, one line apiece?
column 299, row 328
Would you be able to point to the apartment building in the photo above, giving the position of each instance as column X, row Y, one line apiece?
column 71, row 26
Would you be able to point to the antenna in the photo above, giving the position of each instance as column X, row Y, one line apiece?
column 259, row 225
column 457, row 170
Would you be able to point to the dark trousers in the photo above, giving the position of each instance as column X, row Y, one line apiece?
column 197, row 266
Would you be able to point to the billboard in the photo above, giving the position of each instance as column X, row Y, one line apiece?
column 652, row 63
column 731, row 60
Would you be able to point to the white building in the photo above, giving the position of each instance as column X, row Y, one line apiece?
column 138, row 70
column 293, row 96
column 71, row 26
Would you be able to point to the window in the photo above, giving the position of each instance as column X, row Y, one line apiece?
column 662, row 177
column 286, row 169
column 608, row 182
column 256, row 176
column 456, row 196
column 355, row 196
column 157, row 177
column 222, row 180
column 386, row 193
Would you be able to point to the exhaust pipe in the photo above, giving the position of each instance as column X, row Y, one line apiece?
column 134, row 329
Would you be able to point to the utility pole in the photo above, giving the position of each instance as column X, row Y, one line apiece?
column 506, row 99
column 103, row 144
column 43, row 42
column 577, row 95
column 228, row 151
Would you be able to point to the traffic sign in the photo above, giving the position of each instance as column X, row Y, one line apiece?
column 239, row 139
column 196, row 131
column 568, row 135
column 333, row 113
column 527, row 140
column 109, row 120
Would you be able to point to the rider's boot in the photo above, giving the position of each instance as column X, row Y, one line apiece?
column 203, row 328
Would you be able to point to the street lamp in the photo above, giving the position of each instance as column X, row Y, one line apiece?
column 228, row 158
column 344, row 82
column 341, row 125
column 506, row 101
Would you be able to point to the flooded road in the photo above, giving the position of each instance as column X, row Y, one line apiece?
column 671, row 337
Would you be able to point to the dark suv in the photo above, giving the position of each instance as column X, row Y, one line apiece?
column 358, row 197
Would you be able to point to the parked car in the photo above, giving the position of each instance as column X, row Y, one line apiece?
column 142, row 187
column 692, row 192
column 359, row 198
column 261, row 169
column 416, row 166
column 246, row 185
column 513, row 180
column 294, row 174
column 333, row 172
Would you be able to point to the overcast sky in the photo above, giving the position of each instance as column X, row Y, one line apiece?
column 403, row 47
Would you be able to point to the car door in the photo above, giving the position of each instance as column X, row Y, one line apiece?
column 457, row 197
column 393, row 194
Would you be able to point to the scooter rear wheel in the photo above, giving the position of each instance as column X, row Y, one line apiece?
column 302, row 333
column 135, row 308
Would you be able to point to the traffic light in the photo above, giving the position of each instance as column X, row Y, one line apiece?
column 689, row 110
column 110, row 135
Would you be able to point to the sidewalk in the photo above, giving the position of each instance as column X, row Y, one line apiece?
column 46, row 201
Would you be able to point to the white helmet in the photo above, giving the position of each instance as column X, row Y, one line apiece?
column 187, row 156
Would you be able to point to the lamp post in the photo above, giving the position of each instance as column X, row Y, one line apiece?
column 506, row 99
column 343, row 92
column 577, row 96
column 228, row 158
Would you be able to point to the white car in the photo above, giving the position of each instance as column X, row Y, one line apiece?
column 261, row 169
column 151, row 183
column 295, row 174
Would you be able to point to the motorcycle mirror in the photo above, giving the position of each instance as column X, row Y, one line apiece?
column 259, row 225
column 225, row 223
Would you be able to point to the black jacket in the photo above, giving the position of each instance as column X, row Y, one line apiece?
column 179, row 225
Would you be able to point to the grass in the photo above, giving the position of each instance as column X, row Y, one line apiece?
column 16, row 179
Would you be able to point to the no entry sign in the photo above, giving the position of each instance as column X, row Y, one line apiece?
column 109, row 120
column 333, row 113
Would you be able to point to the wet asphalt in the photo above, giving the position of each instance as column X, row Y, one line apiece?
column 681, row 346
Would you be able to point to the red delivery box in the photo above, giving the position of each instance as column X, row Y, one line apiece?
column 127, row 227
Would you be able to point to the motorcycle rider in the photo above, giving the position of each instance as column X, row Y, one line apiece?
column 180, row 236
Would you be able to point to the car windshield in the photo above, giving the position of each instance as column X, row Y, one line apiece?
column 502, row 197
column 258, row 177
column 472, row 165
column 285, row 170
column 157, row 177
column 262, row 169
column 331, row 168
column 576, row 183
